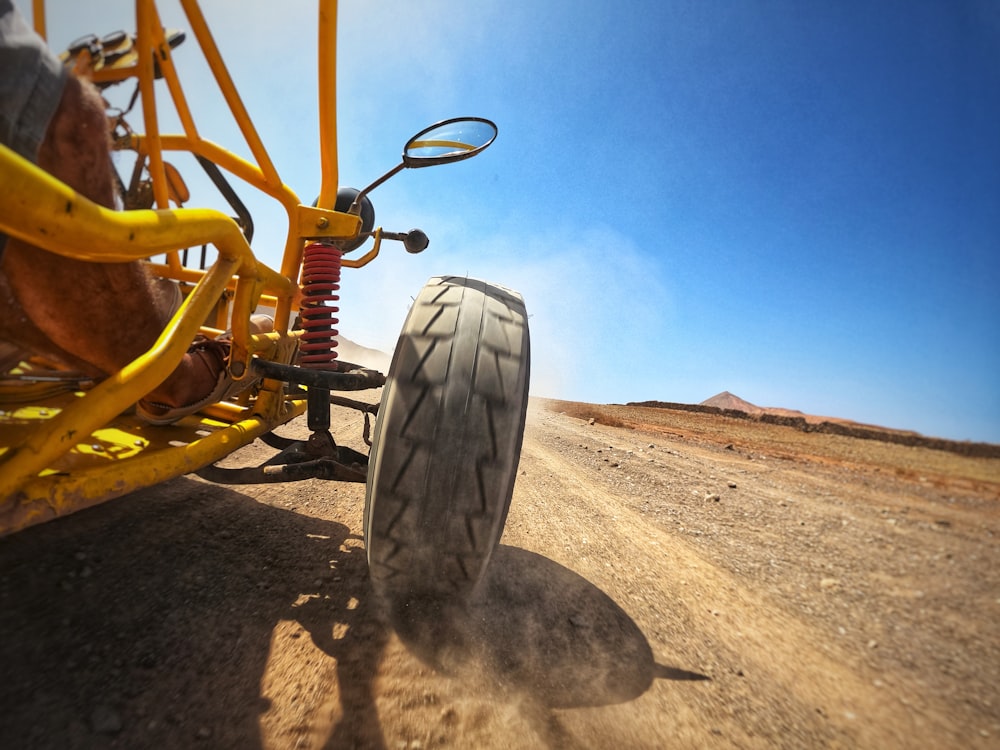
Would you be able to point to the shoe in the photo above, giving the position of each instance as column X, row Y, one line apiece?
column 214, row 355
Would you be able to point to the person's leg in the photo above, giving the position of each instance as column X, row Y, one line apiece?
column 93, row 317
column 101, row 314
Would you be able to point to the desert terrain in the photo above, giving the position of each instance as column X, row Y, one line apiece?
column 666, row 579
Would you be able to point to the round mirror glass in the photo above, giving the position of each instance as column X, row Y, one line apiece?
column 451, row 140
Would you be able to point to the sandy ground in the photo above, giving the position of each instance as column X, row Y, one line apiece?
column 697, row 582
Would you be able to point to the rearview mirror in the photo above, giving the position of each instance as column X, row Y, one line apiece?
column 450, row 140
column 447, row 141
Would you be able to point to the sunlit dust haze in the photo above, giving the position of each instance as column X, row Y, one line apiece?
column 795, row 202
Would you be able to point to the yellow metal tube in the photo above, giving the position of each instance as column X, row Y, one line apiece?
column 229, row 92
column 46, row 497
column 122, row 389
column 229, row 161
column 38, row 17
column 43, row 211
column 166, row 63
column 328, row 102
column 146, row 21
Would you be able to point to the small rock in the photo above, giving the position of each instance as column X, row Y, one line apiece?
column 873, row 644
column 829, row 583
column 712, row 497
column 590, row 421
column 732, row 485
column 105, row 720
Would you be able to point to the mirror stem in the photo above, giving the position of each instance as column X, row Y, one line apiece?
column 356, row 206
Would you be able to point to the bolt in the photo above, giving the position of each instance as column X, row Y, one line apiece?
column 322, row 222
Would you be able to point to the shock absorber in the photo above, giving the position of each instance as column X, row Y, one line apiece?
column 320, row 284
column 318, row 347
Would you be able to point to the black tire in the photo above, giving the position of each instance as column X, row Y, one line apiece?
column 447, row 441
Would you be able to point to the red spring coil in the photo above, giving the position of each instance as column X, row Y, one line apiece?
column 320, row 284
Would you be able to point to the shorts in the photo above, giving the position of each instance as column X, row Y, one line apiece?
column 31, row 86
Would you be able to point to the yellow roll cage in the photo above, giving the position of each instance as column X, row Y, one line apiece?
column 62, row 449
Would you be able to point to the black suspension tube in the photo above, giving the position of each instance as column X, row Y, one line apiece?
column 359, row 380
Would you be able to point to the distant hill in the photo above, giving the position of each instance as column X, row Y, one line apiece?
column 727, row 400
column 729, row 405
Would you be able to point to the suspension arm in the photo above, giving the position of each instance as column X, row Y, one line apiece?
column 355, row 380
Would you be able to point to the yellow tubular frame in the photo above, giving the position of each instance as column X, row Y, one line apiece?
column 44, row 212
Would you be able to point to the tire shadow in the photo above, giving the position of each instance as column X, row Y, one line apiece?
column 537, row 628
column 147, row 621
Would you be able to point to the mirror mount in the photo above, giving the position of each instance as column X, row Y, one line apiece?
column 356, row 205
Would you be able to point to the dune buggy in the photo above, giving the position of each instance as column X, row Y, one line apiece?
column 449, row 422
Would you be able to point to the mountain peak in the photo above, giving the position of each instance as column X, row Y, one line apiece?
column 727, row 400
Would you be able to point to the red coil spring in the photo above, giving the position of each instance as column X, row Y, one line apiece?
column 320, row 284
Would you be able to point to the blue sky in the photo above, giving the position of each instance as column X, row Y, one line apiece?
column 796, row 202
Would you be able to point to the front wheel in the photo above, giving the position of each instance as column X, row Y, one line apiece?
column 447, row 441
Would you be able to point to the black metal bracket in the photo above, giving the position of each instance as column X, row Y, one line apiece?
column 318, row 457
column 298, row 461
column 356, row 379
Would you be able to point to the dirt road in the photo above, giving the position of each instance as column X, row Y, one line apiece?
column 696, row 583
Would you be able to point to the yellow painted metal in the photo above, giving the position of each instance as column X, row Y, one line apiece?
column 320, row 223
column 38, row 17
column 327, row 27
column 48, row 465
column 368, row 257
column 245, row 170
column 229, row 92
column 43, row 211
column 120, row 390
column 52, row 495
